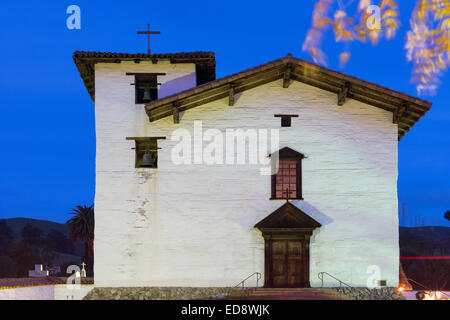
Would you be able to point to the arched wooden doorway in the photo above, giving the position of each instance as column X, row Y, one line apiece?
column 287, row 233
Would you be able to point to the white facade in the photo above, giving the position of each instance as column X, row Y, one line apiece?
column 192, row 225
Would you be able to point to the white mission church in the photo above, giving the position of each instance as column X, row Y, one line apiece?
column 161, row 221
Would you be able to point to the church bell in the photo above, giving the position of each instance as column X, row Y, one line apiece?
column 146, row 94
column 147, row 161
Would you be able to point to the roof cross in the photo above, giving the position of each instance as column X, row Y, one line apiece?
column 148, row 33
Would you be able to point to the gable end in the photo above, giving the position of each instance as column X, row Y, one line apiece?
column 406, row 109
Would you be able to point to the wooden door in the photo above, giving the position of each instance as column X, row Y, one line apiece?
column 279, row 264
column 295, row 267
column 287, row 265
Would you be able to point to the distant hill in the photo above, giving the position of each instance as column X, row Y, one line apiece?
column 424, row 240
column 17, row 224
column 62, row 251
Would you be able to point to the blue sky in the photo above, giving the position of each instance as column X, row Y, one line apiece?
column 47, row 129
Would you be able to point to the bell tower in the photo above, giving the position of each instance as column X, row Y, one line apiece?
column 131, row 152
column 158, row 74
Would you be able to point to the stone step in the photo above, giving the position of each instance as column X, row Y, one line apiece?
column 287, row 290
column 291, row 289
column 282, row 297
column 291, row 293
column 287, row 294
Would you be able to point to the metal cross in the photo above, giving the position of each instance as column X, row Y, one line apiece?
column 148, row 33
column 287, row 193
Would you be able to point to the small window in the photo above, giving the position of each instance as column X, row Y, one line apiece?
column 287, row 181
column 382, row 283
column 146, row 88
column 146, row 149
column 286, row 119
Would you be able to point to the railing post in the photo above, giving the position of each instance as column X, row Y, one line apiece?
column 321, row 274
column 258, row 277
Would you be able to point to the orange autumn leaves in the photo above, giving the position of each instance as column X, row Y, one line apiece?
column 364, row 25
column 427, row 47
column 320, row 23
column 428, row 43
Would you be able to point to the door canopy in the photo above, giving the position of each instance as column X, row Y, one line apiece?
column 287, row 218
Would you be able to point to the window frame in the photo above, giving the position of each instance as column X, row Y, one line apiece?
column 287, row 154
column 286, row 119
column 140, row 150
column 141, row 83
column 148, row 78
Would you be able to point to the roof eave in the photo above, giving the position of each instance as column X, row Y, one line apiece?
column 85, row 61
column 302, row 71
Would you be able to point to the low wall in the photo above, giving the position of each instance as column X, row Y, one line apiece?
column 156, row 293
column 65, row 292
column 46, row 292
column 371, row 294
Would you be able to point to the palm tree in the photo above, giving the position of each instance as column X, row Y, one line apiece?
column 81, row 228
column 447, row 215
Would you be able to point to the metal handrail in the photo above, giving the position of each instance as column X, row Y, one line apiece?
column 320, row 276
column 426, row 288
column 242, row 283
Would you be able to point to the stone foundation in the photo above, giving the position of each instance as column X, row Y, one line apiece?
column 188, row 293
column 371, row 294
column 156, row 293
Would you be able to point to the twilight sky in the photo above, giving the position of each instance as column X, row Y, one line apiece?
column 47, row 131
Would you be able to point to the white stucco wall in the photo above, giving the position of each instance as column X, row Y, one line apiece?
column 192, row 225
column 28, row 293
column 46, row 292
column 71, row 292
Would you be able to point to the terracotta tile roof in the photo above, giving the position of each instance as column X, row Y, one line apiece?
column 97, row 54
column 85, row 60
column 303, row 71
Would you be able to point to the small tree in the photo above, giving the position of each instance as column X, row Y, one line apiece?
column 427, row 41
column 6, row 236
column 59, row 242
column 447, row 215
column 25, row 257
column 8, row 268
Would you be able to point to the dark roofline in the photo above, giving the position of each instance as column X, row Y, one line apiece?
column 287, row 152
column 407, row 109
column 205, row 62
column 297, row 219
